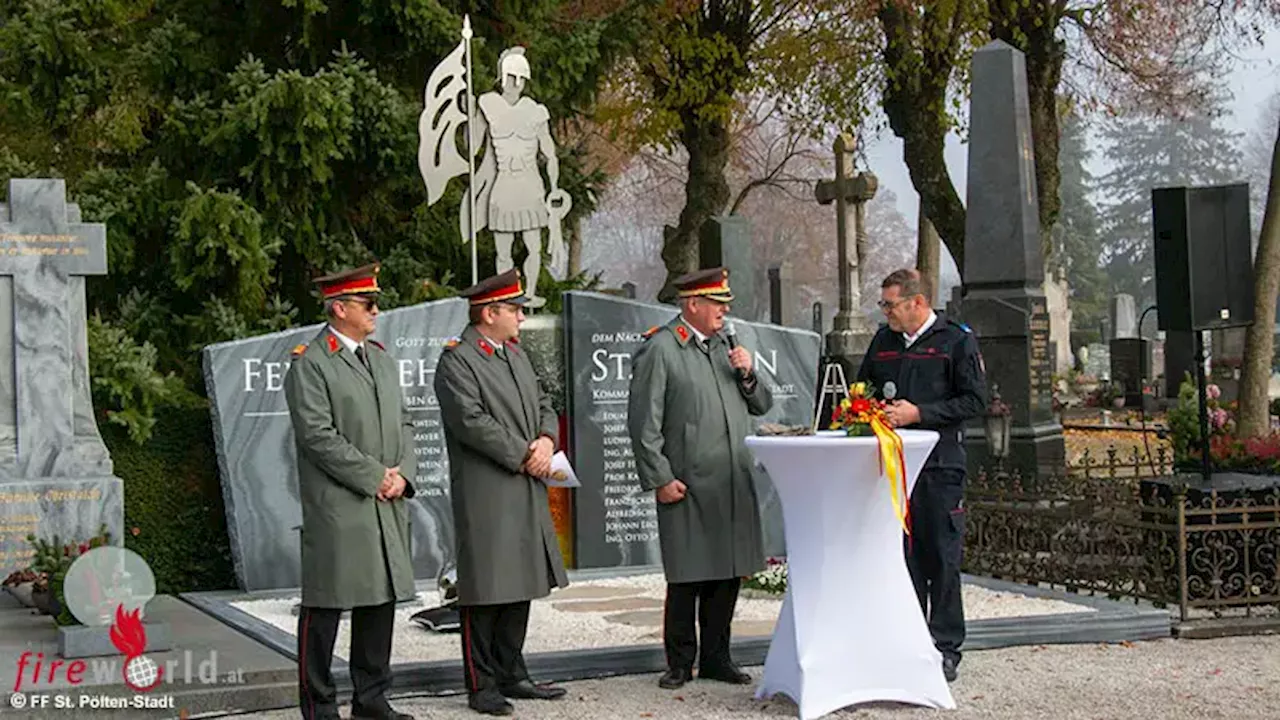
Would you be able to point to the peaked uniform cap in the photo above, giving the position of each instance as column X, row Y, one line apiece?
column 358, row 281
column 505, row 287
column 711, row 283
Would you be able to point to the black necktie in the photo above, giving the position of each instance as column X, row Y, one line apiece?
column 363, row 360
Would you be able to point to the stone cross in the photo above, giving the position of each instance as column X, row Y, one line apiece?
column 851, row 331
column 47, row 428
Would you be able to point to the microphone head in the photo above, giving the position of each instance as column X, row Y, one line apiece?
column 728, row 328
column 890, row 390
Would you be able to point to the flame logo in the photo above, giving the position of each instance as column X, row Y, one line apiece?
column 130, row 637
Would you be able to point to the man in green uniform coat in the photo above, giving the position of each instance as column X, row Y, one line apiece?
column 691, row 398
column 501, row 432
column 355, row 471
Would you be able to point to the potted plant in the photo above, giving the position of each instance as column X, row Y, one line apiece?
column 49, row 567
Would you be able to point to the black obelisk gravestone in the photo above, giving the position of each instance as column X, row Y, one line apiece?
column 1004, row 300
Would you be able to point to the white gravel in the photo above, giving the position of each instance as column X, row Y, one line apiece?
column 1230, row 678
column 553, row 628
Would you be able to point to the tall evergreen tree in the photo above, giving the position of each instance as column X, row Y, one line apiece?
column 1077, row 239
column 1149, row 152
column 236, row 150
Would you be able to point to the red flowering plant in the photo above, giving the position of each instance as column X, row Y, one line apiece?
column 855, row 413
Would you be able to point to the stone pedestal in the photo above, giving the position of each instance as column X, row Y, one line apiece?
column 1013, row 333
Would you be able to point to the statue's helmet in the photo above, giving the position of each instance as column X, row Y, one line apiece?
column 513, row 62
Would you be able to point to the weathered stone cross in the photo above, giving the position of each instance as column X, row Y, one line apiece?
column 851, row 192
column 47, row 428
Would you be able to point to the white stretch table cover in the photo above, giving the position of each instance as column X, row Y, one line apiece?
column 850, row 630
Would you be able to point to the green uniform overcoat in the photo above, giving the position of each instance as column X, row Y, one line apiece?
column 492, row 407
column 688, row 417
column 349, row 427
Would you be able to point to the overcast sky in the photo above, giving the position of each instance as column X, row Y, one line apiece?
column 1256, row 76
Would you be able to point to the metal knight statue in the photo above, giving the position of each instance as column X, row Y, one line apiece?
column 506, row 192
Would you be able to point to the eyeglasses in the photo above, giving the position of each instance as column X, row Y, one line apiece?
column 887, row 305
column 364, row 302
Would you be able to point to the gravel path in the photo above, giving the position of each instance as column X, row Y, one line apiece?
column 1235, row 678
column 617, row 611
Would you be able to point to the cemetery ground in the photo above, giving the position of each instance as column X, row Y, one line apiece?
column 1235, row 678
column 1031, row 652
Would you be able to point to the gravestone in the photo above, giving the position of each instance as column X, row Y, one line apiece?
column 1158, row 373
column 1131, row 367
column 616, row 521
column 725, row 241
column 1056, row 293
column 851, row 331
column 1098, row 361
column 1179, row 360
column 56, row 475
column 257, row 463
column 1227, row 360
column 1004, row 300
column 780, row 281
column 1124, row 317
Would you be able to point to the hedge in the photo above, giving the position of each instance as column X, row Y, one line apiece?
column 173, row 510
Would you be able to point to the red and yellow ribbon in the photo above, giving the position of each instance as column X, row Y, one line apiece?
column 893, row 463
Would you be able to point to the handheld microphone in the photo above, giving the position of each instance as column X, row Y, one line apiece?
column 731, row 335
column 890, row 391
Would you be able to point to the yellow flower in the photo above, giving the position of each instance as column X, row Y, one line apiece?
column 844, row 404
column 859, row 389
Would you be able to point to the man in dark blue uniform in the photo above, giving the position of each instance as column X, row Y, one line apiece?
column 939, row 382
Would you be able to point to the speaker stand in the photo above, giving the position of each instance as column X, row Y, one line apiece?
column 1206, row 463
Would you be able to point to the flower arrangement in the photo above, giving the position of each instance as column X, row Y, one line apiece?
column 773, row 579
column 855, row 413
column 861, row 414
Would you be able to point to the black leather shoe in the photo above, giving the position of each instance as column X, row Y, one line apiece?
column 489, row 703
column 526, row 690
column 729, row 673
column 949, row 668
column 675, row 677
column 384, row 712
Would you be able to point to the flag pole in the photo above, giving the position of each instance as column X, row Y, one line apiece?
column 471, row 151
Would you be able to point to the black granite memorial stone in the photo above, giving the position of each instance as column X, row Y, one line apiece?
column 1004, row 300
column 1131, row 367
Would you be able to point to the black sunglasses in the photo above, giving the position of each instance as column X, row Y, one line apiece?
column 367, row 303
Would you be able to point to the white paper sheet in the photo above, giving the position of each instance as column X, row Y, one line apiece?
column 562, row 474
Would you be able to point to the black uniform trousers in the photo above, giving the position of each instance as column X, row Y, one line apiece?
column 493, row 645
column 369, row 660
column 712, row 603
column 935, row 550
